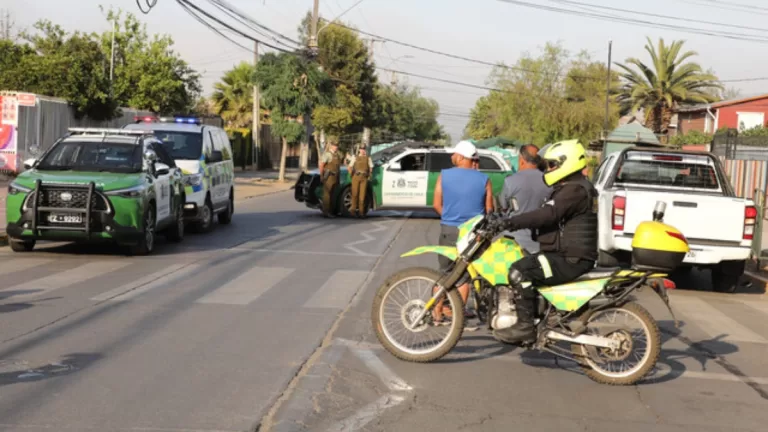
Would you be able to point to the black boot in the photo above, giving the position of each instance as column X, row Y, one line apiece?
column 524, row 330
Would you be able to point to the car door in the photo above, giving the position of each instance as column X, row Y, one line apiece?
column 404, row 183
column 493, row 168
column 218, row 184
column 437, row 161
column 163, row 194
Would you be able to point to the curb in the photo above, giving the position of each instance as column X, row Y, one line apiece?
column 264, row 194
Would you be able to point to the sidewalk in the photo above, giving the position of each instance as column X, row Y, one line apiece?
column 248, row 184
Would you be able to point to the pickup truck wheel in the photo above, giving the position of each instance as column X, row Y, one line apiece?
column 146, row 244
column 606, row 259
column 726, row 276
column 22, row 246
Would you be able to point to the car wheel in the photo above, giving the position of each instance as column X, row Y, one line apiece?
column 175, row 232
column 146, row 244
column 206, row 225
column 345, row 202
column 726, row 276
column 22, row 246
column 225, row 217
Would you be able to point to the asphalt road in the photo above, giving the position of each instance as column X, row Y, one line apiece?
column 202, row 336
column 267, row 323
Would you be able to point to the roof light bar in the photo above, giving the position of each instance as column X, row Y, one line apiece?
column 107, row 131
column 182, row 120
column 145, row 119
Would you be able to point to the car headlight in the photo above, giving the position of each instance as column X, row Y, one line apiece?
column 131, row 192
column 15, row 188
column 193, row 179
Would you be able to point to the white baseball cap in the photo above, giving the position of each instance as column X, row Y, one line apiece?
column 464, row 148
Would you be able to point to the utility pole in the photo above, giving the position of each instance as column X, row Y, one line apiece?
column 112, row 55
column 367, row 130
column 608, row 88
column 313, row 26
column 255, row 129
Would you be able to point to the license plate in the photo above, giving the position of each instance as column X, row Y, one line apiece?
column 690, row 254
column 59, row 218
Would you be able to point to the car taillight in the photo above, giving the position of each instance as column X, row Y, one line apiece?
column 750, row 216
column 617, row 213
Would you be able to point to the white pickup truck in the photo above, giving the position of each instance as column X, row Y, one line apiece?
column 700, row 202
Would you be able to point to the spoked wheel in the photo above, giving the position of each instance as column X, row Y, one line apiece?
column 400, row 301
column 639, row 345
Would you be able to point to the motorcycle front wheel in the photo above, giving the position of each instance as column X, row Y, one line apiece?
column 399, row 301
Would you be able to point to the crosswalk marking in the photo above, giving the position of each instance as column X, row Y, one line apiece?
column 16, row 265
column 337, row 290
column 147, row 283
column 247, row 287
column 713, row 322
column 66, row 278
column 758, row 305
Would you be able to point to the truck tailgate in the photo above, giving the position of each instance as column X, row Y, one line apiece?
column 697, row 216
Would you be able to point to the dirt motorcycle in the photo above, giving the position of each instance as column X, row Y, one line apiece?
column 592, row 313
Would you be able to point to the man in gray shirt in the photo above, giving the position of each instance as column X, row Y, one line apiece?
column 528, row 188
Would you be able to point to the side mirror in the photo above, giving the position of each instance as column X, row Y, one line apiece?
column 216, row 156
column 29, row 163
column 150, row 156
column 34, row 150
column 161, row 169
column 395, row 166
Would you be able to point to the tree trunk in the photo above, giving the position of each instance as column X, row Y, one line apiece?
column 656, row 118
column 319, row 137
column 304, row 151
column 666, row 117
column 283, row 153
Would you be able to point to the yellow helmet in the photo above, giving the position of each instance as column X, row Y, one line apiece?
column 563, row 159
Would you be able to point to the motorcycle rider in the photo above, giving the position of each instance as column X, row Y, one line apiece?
column 567, row 233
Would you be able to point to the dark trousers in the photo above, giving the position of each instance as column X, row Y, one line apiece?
column 549, row 269
column 449, row 235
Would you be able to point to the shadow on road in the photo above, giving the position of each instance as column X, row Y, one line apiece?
column 70, row 364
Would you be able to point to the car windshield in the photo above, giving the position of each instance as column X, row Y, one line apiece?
column 181, row 145
column 665, row 173
column 93, row 156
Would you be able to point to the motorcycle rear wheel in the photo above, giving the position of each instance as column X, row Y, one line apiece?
column 386, row 337
column 650, row 329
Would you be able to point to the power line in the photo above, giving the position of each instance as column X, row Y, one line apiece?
column 227, row 7
column 641, row 23
column 574, row 3
column 202, row 21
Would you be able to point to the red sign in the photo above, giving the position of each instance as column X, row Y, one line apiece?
column 26, row 99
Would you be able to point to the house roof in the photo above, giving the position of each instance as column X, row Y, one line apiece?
column 632, row 133
column 721, row 104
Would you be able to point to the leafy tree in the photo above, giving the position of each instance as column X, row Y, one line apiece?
column 289, row 86
column 233, row 96
column 669, row 81
column 148, row 74
column 408, row 115
column 346, row 59
column 544, row 99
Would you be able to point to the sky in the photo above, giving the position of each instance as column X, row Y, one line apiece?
column 488, row 30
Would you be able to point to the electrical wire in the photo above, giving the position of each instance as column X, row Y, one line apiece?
column 150, row 5
column 202, row 21
column 233, row 10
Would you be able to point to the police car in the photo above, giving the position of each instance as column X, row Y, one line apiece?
column 204, row 154
column 403, row 178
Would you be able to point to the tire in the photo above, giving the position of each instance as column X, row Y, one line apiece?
column 22, row 246
column 206, row 225
column 175, row 232
column 654, row 350
column 726, row 276
column 606, row 259
column 225, row 217
column 457, row 311
column 346, row 202
column 146, row 244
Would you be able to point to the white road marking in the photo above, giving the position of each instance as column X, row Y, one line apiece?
column 337, row 290
column 16, row 265
column 247, row 287
column 301, row 252
column 147, row 283
column 713, row 322
column 758, row 305
column 67, row 278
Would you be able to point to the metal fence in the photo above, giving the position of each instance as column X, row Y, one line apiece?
column 47, row 120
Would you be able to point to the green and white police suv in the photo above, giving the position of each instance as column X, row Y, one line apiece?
column 204, row 154
column 98, row 185
column 403, row 178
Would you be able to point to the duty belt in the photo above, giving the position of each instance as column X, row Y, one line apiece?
column 361, row 173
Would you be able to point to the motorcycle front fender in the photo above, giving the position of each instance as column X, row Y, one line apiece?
column 449, row 252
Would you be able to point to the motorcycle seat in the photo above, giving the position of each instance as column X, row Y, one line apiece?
column 597, row 273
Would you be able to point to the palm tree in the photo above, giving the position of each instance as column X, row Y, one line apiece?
column 233, row 96
column 669, row 83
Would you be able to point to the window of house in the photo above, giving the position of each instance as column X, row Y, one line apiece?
column 749, row 120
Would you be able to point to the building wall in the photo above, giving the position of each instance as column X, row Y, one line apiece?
column 728, row 116
column 688, row 121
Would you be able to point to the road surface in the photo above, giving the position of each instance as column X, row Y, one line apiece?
column 266, row 324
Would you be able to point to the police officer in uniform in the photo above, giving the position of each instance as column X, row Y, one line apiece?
column 567, row 234
column 360, row 168
column 330, row 166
